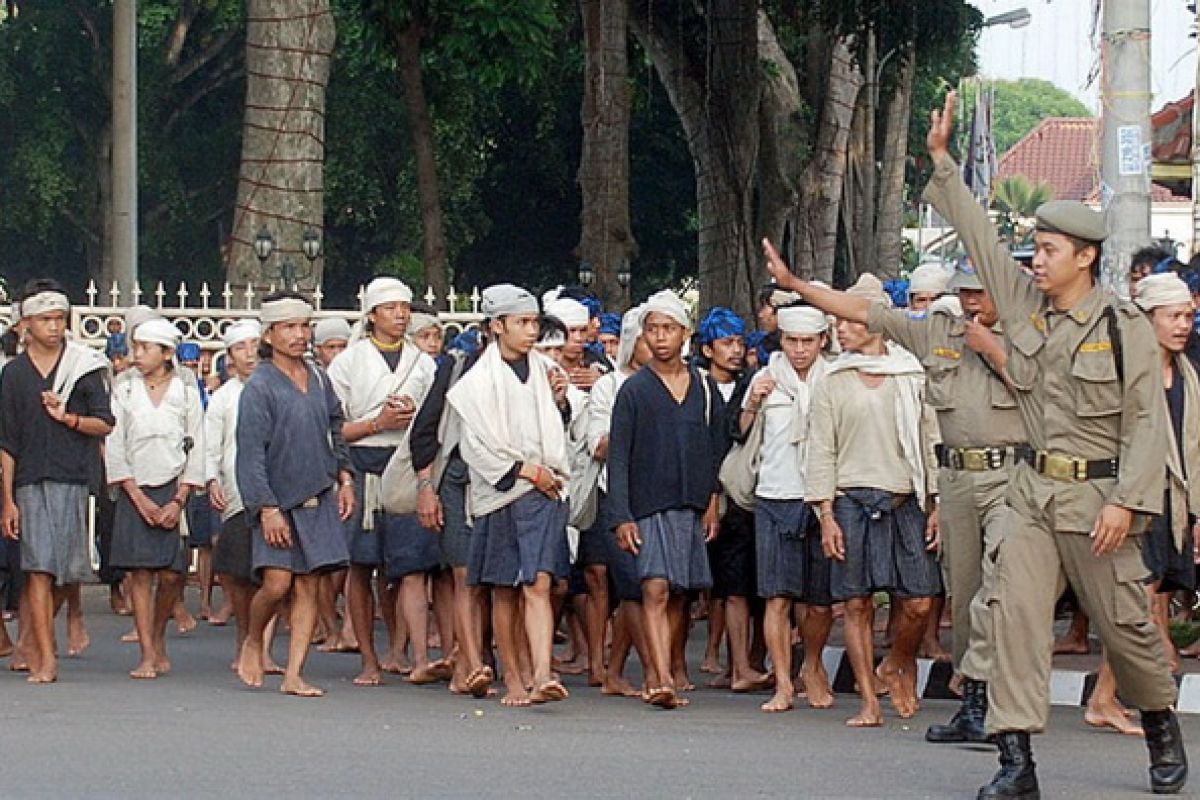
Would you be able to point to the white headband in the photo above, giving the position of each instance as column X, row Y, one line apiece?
column 555, row 339
column 419, row 321
column 631, row 329
column 331, row 329
column 780, row 298
column 870, row 287
column 1163, row 289
column 285, row 309
column 802, row 320
column 571, row 313
column 44, row 303
column 386, row 290
column 241, row 331
column 668, row 303
column 504, row 299
column 157, row 331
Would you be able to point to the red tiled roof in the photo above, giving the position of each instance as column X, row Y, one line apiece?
column 1171, row 140
column 1065, row 153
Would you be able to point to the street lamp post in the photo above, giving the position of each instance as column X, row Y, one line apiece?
column 288, row 274
column 1017, row 18
column 586, row 274
column 624, row 278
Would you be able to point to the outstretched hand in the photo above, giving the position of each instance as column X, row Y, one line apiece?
column 941, row 128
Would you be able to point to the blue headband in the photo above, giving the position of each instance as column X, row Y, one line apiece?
column 610, row 323
column 117, row 345
column 188, row 351
column 594, row 306
column 467, row 342
column 897, row 289
column 755, row 340
column 720, row 323
column 1164, row 265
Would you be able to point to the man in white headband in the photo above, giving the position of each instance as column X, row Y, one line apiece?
column 1167, row 548
column 926, row 284
column 296, row 482
column 513, row 405
column 663, row 486
column 982, row 437
column 155, row 457
column 54, row 411
column 382, row 380
column 576, row 320
column 425, row 329
column 232, row 549
column 791, row 566
column 330, row 337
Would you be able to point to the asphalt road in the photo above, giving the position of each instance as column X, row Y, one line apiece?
column 197, row 732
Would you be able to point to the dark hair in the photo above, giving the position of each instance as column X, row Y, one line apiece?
column 1079, row 244
column 8, row 343
column 39, row 285
column 1149, row 257
column 549, row 326
column 423, row 308
column 764, row 294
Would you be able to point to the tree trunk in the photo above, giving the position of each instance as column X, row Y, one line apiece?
column 281, row 182
column 420, row 128
column 100, row 261
column 720, row 121
column 859, row 202
column 782, row 132
column 889, row 222
column 822, row 183
column 606, row 234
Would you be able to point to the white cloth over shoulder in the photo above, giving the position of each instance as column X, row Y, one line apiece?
column 505, row 421
column 77, row 361
column 220, row 444
column 785, row 431
column 363, row 382
column 152, row 444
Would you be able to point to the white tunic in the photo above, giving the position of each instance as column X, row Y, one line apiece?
column 147, row 443
column 220, row 437
column 363, row 381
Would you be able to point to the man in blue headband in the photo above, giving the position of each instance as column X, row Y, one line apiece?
column 610, row 334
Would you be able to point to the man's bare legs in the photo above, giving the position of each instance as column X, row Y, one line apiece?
column 25, row 646
column 504, row 621
column 931, row 640
column 468, row 634
column 152, row 608
column 778, row 628
column 239, row 593
column 899, row 670
column 737, row 624
column 1075, row 642
column 539, row 630
column 304, row 621
column 414, row 608
column 1103, row 709
column 716, row 634
column 627, row 631
column 276, row 583
column 388, row 599
column 6, row 643
column 443, row 615
column 860, row 647
column 204, row 570
column 43, row 663
column 816, row 625
column 598, row 610
column 361, row 603
column 77, row 634
column 656, row 603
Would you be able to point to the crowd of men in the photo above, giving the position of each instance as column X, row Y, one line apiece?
column 1010, row 432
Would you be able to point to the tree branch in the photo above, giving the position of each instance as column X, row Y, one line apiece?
column 228, row 72
column 197, row 62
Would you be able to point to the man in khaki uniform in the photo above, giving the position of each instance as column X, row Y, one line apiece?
column 1090, row 394
column 982, row 440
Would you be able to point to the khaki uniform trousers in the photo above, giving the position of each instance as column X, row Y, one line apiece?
column 1033, row 561
column 974, row 521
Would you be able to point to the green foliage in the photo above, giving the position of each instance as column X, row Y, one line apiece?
column 1017, row 199
column 1020, row 105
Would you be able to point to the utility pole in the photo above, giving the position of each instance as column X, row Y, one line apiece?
column 1125, row 144
column 124, row 145
column 1195, row 151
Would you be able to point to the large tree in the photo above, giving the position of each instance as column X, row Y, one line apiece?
column 281, row 184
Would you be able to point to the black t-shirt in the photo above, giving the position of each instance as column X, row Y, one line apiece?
column 45, row 449
column 1175, row 405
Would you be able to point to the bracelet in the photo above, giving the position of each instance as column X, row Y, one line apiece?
column 374, row 425
column 74, row 425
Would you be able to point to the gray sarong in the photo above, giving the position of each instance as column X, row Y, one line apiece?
column 137, row 545
column 54, row 530
column 790, row 560
column 318, row 541
column 513, row 544
column 885, row 547
column 673, row 549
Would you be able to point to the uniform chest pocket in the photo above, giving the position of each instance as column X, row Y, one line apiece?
column 941, row 374
column 1097, row 387
column 1002, row 396
column 1023, row 369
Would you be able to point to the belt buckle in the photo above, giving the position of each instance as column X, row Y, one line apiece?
column 974, row 460
column 312, row 502
column 1063, row 468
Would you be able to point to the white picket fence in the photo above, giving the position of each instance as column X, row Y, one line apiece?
column 206, row 317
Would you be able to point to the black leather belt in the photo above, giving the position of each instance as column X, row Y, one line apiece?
column 981, row 459
column 1070, row 468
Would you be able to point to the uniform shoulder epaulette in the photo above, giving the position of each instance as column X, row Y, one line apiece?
column 1127, row 307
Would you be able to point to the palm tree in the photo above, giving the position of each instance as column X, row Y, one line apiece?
column 1017, row 199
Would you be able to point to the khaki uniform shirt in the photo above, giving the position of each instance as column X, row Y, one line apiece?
column 1070, row 392
column 974, row 407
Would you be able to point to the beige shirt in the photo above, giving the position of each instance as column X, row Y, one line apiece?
column 1070, row 393
column 974, row 407
column 853, row 439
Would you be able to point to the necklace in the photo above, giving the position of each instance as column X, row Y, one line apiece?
column 388, row 348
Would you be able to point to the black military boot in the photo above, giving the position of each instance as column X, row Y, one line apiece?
column 1168, row 759
column 1016, row 778
column 967, row 725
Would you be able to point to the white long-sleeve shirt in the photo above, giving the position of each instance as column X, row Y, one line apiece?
column 220, row 444
column 147, row 443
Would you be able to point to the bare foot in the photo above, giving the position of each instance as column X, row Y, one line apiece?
column 7, row 649
column 396, row 666
column 205, row 613
column 479, row 682
column 904, row 699
column 221, row 618
column 617, row 686
column 43, row 676
column 270, row 667
column 712, row 666
column 250, row 665
column 548, row 692
column 19, row 662
column 682, row 682
column 1111, row 717
column 722, row 681
column 144, row 671
column 816, row 686
column 662, row 696
column 185, row 623
column 1191, row 651
column 131, row 637
column 575, row 666
column 1068, row 646
column 77, row 636
column 370, row 676
column 516, row 699
column 933, row 649
column 782, row 701
column 754, row 682
column 162, row 665
column 426, row 673
column 868, row 716
column 299, row 688
column 337, row 644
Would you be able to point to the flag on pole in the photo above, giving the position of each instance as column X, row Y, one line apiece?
column 980, row 165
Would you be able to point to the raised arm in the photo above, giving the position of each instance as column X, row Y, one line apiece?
column 831, row 301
